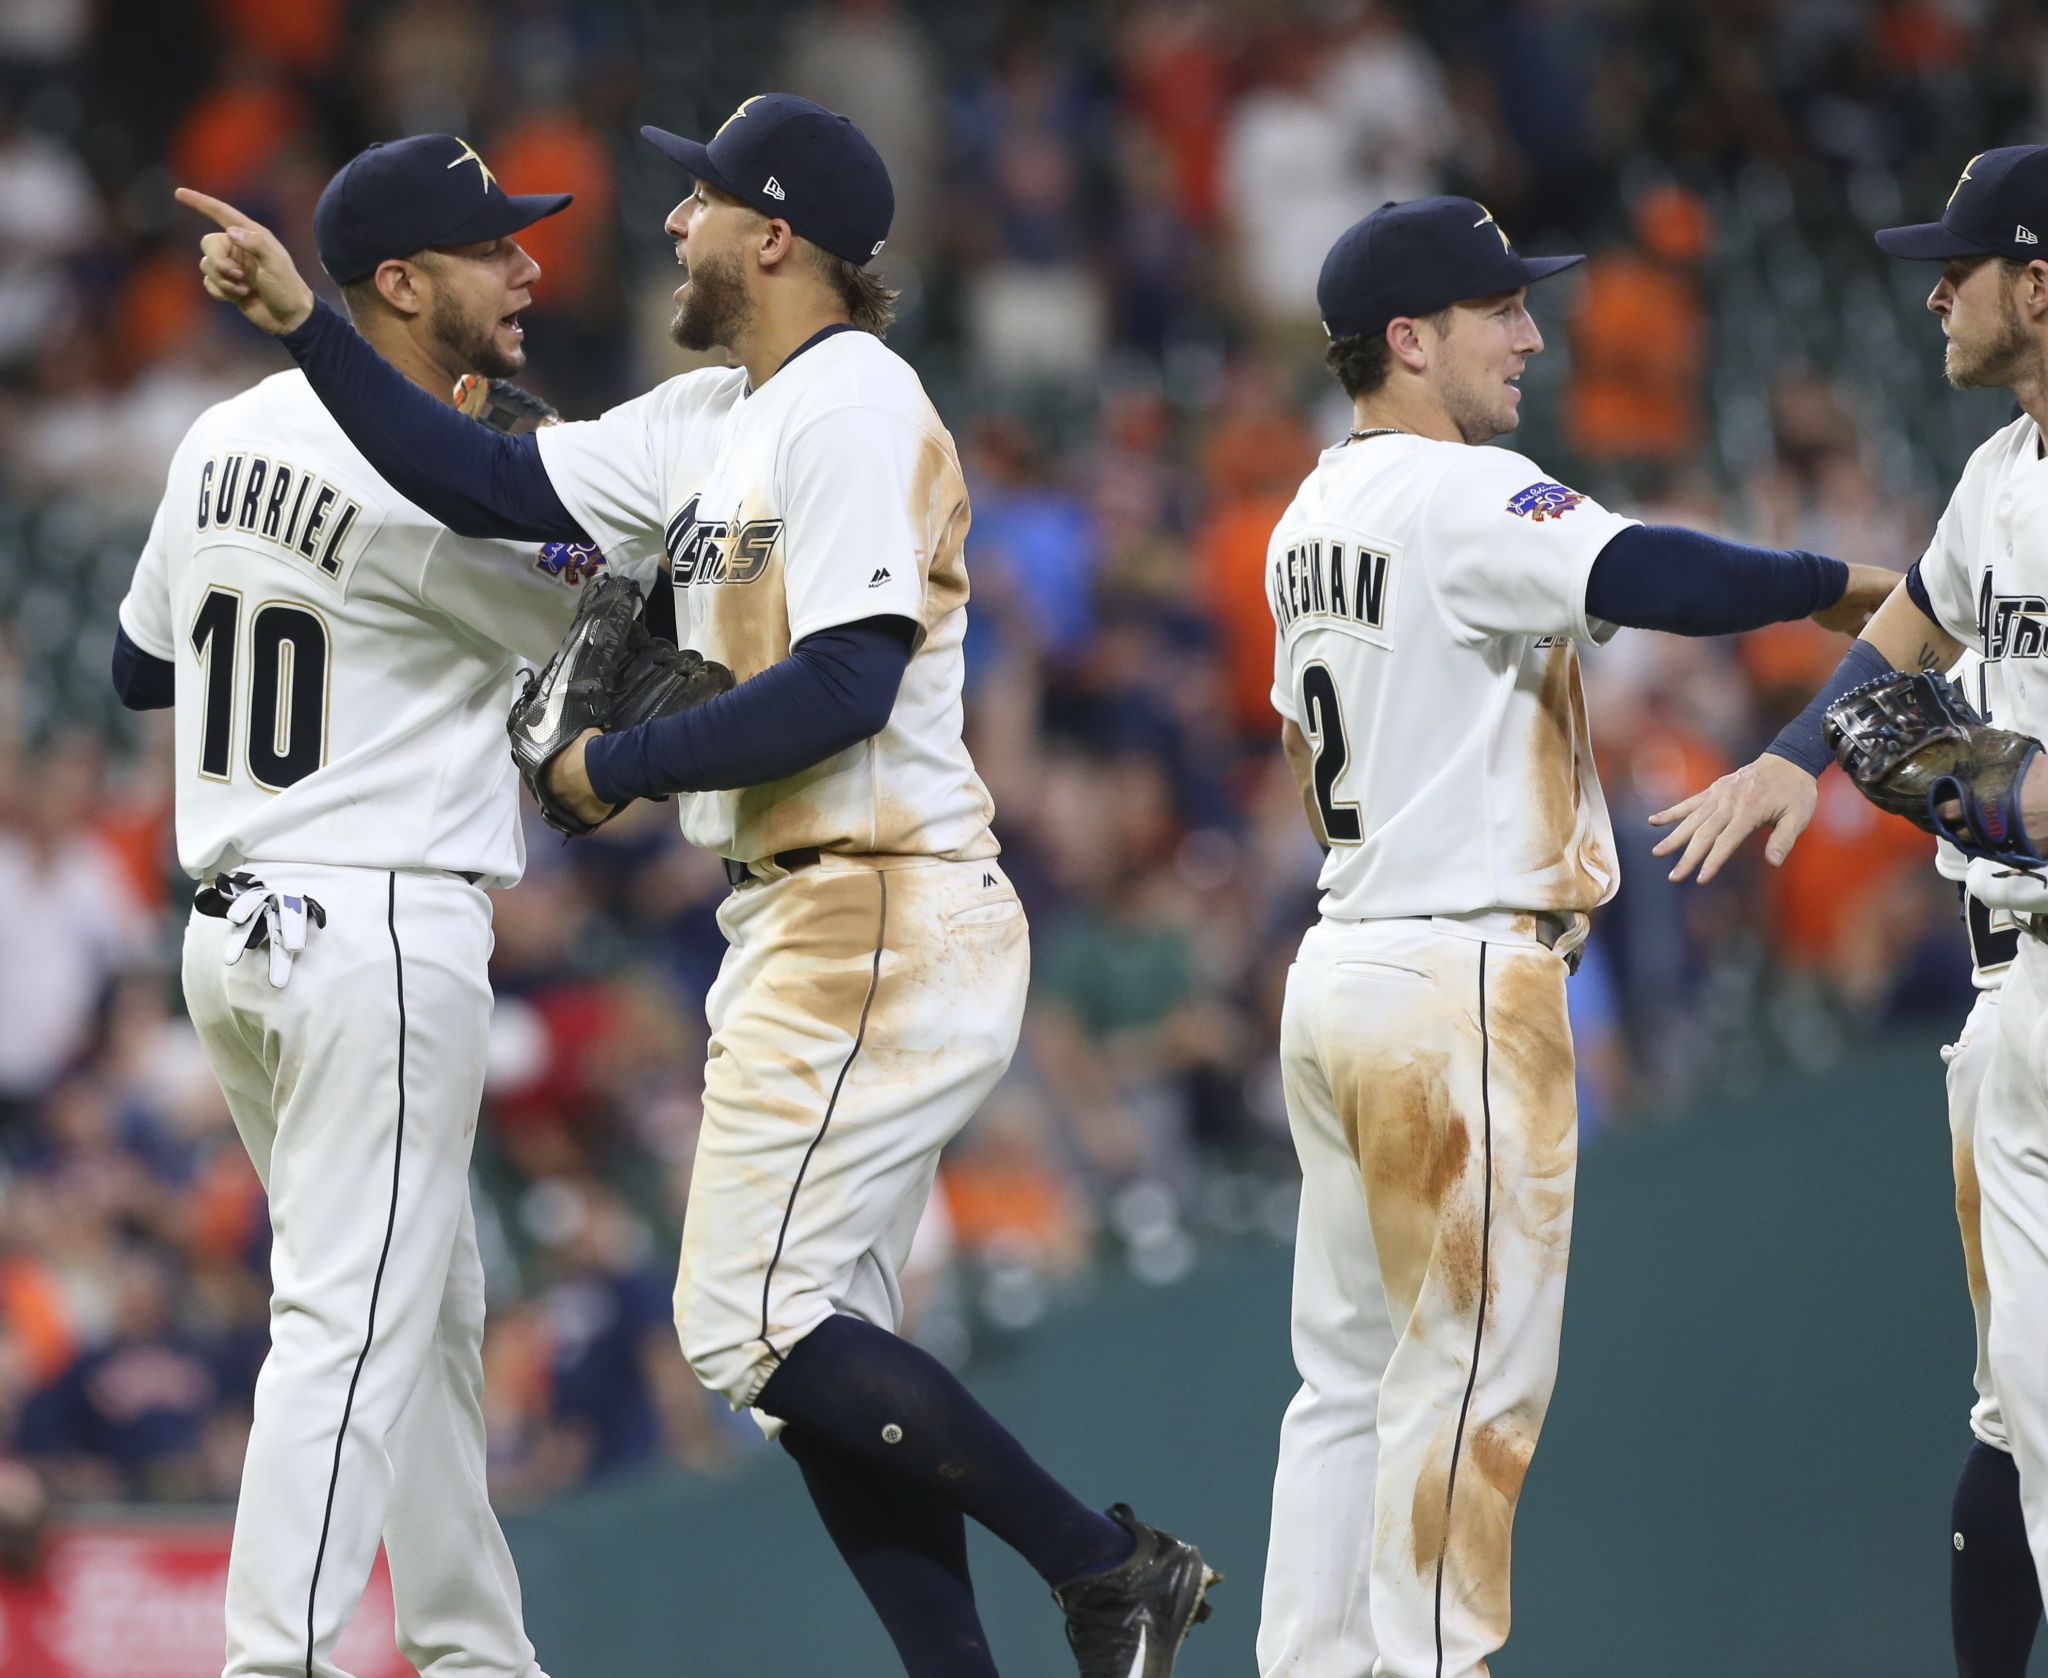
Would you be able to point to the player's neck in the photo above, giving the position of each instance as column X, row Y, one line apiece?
column 2031, row 392
column 412, row 358
column 1412, row 411
column 776, row 335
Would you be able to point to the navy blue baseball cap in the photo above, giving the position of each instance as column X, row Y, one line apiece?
column 408, row 195
column 1999, row 207
column 791, row 158
column 1419, row 257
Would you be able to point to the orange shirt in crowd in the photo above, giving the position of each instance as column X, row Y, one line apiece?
column 554, row 151
column 1638, row 337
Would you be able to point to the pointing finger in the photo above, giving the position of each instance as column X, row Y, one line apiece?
column 215, row 209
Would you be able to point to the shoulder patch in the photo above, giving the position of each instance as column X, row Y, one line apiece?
column 1543, row 500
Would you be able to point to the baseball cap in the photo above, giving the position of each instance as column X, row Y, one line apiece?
column 405, row 195
column 1419, row 257
column 1999, row 207
column 792, row 158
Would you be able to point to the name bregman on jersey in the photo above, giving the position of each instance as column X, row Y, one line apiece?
column 1321, row 577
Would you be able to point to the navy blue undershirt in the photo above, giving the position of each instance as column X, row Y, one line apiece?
column 1662, row 576
column 144, row 681
column 836, row 688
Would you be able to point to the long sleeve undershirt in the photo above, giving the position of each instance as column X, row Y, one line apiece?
column 1662, row 576
column 476, row 481
column 836, row 688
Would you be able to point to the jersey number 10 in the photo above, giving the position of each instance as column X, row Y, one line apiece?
column 287, row 708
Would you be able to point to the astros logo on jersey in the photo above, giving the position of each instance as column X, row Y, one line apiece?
column 2011, row 625
column 714, row 551
column 1542, row 501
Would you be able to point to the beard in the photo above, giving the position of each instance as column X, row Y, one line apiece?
column 1480, row 412
column 471, row 343
column 1996, row 364
column 715, row 308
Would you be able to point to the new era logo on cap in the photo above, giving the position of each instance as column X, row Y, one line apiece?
column 2024, row 235
column 774, row 189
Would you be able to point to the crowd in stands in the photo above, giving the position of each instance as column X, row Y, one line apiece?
column 1109, row 222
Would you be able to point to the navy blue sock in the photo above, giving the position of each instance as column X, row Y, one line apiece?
column 1994, row 1594
column 886, row 1402
column 908, row 1548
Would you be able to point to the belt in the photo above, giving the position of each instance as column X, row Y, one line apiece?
column 213, row 898
column 738, row 874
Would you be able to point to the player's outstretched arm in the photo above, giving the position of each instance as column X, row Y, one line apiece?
column 476, row 481
column 1779, row 790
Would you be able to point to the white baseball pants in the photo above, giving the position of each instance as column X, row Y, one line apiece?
column 2011, row 1157
column 1429, row 1083
column 355, row 1089
column 865, row 1008
column 1968, row 1059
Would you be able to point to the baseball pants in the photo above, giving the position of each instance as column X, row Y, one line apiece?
column 2011, row 1157
column 355, row 1089
column 1968, row 1059
column 865, row 1008
column 1429, row 1082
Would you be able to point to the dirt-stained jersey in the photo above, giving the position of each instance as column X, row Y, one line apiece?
column 343, row 663
column 831, row 494
column 1429, row 598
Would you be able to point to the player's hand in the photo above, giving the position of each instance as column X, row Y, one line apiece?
column 1870, row 586
column 570, row 783
column 247, row 265
column 1712, row 824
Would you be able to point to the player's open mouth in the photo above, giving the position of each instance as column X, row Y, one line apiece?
column 510, row 324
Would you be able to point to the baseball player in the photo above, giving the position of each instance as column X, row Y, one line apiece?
column 1430, row 597
column 1994, row 1598
column 1980, row 585
column 340, row 666
column 814, row 515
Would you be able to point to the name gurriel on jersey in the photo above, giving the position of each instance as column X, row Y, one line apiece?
column 1323, row 577
column 298, row 511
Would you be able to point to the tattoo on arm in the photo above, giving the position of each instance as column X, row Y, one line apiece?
column 1929, row 659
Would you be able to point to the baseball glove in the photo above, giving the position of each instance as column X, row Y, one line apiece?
column 1916, row 747
column 502, row 405
column 608, row 673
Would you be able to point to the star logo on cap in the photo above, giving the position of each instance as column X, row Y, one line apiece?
column 468, row 155
column 1964, row 176
column 1488, row 218
column 742, row 111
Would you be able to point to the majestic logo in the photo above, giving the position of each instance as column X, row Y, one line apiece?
column 880, row 577
column 1488, row 217
column 1542, row 501
column 715, row 551
column 2011, row 625
column 1964, row 176
column 468, row 155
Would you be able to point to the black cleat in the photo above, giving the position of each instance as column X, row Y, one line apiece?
column 1128, row 1622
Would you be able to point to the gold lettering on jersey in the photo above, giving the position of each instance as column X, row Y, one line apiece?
column 714, row 551
column 296, row 511
column 1320, row 577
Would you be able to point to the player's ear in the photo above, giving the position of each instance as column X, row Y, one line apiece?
column 398, row 284
column 2034, row 289
column 1404, row 338
column 777, row 241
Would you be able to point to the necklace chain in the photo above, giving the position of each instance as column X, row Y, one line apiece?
column 1376, row 431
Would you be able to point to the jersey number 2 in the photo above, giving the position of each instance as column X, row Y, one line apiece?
column 1325, row 731
column 287, row 658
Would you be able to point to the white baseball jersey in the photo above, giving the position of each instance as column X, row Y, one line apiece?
column 830, row 495
column 1994, row 936
column 344, row 663
column 1429, row 598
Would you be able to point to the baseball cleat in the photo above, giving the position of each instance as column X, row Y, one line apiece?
column 1128, row 1621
